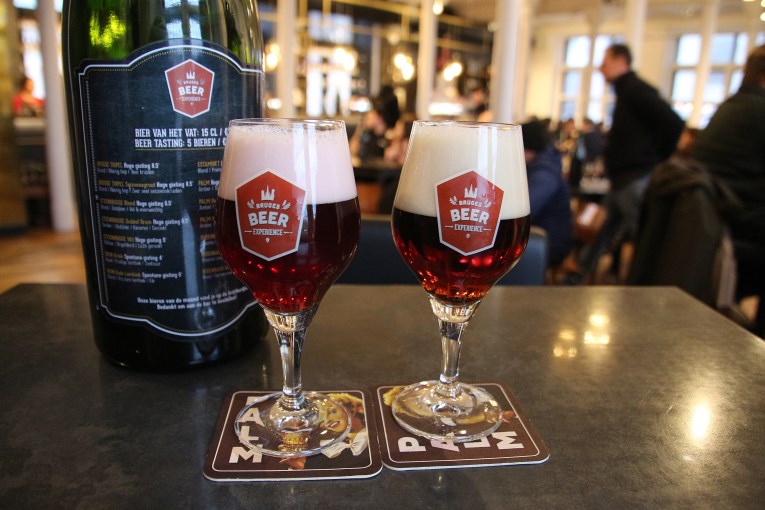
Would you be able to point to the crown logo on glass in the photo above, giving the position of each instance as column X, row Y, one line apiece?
column 267, row 195
column 471, row 192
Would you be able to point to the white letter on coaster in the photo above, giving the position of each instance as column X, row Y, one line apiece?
column 481, row 443
column 445, row 445
column 409, row 444
column 506, row 440
column 239, row 452
column 252, row 414
column 244, row 435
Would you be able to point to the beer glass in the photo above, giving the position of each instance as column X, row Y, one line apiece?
column 460, row 221
column 287, row 226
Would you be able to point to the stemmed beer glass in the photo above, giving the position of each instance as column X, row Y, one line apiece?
column 287, row 226
column 460, row 221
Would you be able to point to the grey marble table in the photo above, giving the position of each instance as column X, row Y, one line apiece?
column 644, row 397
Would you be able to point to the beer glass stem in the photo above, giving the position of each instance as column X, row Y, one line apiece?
column 452, row 320
column 290, row 333
column 451, row 344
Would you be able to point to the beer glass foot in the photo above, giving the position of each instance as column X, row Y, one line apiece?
column 271, row 428
column 457, row 413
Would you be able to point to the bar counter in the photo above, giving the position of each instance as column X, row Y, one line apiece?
column 644, row 397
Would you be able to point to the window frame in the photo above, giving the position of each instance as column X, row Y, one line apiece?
column 730, row 69
column 605, row 101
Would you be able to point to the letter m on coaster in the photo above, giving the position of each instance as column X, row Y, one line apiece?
column 468, row 212
column 269, row 213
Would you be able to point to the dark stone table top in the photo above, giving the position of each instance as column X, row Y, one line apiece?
column 644, row 397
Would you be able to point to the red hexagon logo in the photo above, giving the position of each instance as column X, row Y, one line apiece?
column 468, row 212
column 190, row 86
column 270, row 215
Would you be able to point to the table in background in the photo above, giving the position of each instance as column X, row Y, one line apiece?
column 376, row 182
column 644, row 397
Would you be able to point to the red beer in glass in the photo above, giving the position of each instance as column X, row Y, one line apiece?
column 299, row 280
column 449, row 275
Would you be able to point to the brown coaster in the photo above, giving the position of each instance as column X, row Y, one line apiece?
column 357, row 457
column 515, row 442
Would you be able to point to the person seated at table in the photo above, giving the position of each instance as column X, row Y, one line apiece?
column 588, row 148
column 478, row 104
column 25, row 103
column 731, row 147
column 395, row 152
column 548, row 192
column 372, row 136
column 685, row 144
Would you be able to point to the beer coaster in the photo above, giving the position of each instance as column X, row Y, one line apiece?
column 357, row 457
column 515, row 442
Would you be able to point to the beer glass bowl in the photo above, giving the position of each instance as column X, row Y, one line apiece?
column 287, row 224
column 460, row 221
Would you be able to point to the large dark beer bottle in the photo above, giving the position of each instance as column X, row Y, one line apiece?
column 151, row 86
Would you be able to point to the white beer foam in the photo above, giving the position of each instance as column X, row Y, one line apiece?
column 253, row 149
column 440, row 150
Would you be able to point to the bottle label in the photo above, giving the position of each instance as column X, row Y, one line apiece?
column 269, row 213
column 155, row 127
column 468, row 212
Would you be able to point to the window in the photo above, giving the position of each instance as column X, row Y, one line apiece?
column 727, row 56
column 599, row 104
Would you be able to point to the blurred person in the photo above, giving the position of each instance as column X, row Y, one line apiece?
column 566, row 136
column 478, row 102
column 371, row 137
column 591, row 141
column 25, row 104
column 686, row 143
column 732, row 147
column 644, row 132
column 389, row 105
column 395, row 152
column 548, row 192
column 589, row 148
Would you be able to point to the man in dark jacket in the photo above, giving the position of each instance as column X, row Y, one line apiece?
column 548, row 192
column 644, row 132
column 732, row 147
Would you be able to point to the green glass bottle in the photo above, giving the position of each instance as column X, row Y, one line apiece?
column 151, row 86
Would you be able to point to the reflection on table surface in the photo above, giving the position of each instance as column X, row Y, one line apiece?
column 644, row 397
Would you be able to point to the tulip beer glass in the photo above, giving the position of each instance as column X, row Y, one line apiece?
column 460, row 221
column 287, row 225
